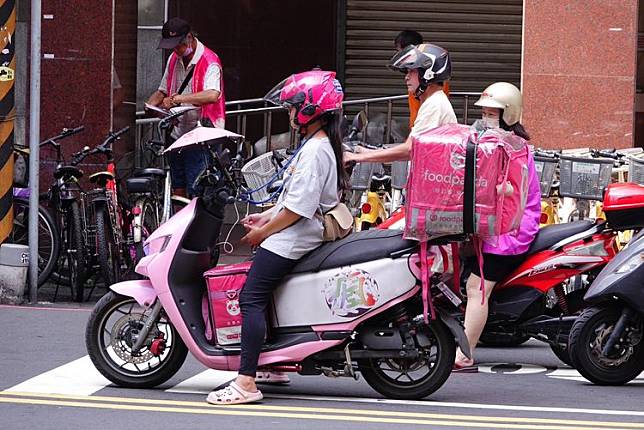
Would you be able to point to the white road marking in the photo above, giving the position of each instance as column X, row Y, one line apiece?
column 457, row 405
column 523, row 369
column 203, row 382
column 573, row 375
column 79, row 378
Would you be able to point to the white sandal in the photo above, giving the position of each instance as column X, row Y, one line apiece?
column 233, row 394
column 271, row 378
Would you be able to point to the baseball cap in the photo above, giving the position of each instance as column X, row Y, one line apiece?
column 173, row 33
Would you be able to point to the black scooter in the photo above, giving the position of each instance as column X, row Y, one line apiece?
column 606, row 342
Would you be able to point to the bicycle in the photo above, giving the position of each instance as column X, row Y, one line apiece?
column 48, row 234
column 546, row 163
column 102, row 215
column 63, row 196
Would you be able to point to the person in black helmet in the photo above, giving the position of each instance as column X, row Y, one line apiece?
column 426, row 67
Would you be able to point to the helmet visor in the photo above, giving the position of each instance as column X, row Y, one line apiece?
column 408, row 59
column 285, row 93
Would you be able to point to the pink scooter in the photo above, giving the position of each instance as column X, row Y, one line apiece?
column 353, row 305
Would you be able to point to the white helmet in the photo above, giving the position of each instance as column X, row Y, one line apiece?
column 504, row 96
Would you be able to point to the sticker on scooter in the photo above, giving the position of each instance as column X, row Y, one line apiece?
column 351, row 293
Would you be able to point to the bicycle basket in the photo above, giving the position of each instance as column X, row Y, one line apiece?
column 636, row 170
column 361, row 176
column 399, row 171
column 546, row 168
column 257, row 172
column 88, row 216
column 584, row 178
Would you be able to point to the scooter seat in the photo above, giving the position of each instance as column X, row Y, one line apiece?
column 142, row 185
column 356, row 248
column 551, row 234
column 68, row 171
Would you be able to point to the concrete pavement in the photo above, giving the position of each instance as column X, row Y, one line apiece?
column 46, row 382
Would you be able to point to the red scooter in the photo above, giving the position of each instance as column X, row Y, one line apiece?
column 539, row 298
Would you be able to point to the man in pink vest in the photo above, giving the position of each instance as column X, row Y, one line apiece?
column 193, row 76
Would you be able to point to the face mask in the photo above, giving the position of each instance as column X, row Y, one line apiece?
column 491, row 122
column 188, row 51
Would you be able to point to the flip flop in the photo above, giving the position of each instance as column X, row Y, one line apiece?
column 461, row 368
column 271, row 378
column 233, row 394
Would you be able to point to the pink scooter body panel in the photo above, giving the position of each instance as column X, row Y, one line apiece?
column 366, row 304
column 141, row 290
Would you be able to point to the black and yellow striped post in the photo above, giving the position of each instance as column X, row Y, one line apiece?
column 7, row 113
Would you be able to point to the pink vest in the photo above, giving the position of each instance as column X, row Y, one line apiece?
column 213, row 111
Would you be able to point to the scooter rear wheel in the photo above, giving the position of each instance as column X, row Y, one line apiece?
column 397, row 378
column 110, row 334
column 588, row 336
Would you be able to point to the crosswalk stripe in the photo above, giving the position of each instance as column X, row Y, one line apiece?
column 574, row 375
column 78, row 377
column 204, row 382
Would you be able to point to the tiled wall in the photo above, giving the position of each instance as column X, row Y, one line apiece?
column 579, row 72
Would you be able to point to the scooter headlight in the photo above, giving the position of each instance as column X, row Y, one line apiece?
column 156, row 245
column 631, row 264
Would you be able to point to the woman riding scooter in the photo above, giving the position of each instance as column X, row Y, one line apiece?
column 292, row 228
column 501, row 105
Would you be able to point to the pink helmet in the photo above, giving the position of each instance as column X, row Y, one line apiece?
column 311, row 93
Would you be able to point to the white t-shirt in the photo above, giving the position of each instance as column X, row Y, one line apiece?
column 212, row 81
column 310, row 185
column 434, row 112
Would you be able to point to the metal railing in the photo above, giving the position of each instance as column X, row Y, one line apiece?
column 242, row 110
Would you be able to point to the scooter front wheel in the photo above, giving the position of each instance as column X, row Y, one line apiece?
column 589, row 335
column 413, row 379
column 111, row 332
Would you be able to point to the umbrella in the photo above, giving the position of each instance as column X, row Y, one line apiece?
column 200, row 135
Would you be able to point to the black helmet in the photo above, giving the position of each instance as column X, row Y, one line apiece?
column 432, row 62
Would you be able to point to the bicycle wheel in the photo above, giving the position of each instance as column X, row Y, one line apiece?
column 149, row 223
column 75, row 250
column 108, row 253
column 48, row 236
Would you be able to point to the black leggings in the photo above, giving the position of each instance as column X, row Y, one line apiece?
column 265, row 274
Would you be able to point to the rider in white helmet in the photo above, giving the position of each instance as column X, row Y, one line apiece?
column 501, row 106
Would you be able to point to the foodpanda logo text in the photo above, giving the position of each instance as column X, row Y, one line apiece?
column 451, row 179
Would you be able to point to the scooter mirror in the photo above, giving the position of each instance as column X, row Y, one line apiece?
column 360, row 121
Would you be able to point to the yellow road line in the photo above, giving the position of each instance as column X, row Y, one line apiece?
column 224, row 410
column 314, row 413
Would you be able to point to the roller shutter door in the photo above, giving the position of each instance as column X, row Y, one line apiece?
column 483, row 38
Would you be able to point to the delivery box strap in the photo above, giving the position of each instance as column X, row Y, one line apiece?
column 469, row 197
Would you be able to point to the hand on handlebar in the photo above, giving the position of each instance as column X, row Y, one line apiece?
column 350, row 158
